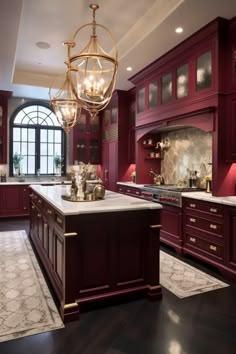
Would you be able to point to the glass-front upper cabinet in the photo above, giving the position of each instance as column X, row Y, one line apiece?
column 114, row 115
column 166, row 88
column 182, row 81
column 141, row 100
column 81, row 126
column 204, row 71
column 152, row 94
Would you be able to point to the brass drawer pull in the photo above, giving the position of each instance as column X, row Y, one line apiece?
column 213, row 210
column 213, row 226
column 155, row 226
column 59, row 220
column 213, row 248
column 49, row 211
column 192, row 220
column 192, row 239
column 192, row 205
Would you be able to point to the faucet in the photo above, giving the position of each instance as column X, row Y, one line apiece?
column 157, row 178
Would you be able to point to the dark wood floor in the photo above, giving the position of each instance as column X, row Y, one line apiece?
column 201, row 324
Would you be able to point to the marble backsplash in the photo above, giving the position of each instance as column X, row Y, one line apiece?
column 190, row 149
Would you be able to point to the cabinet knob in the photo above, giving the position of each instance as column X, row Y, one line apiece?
column 39, row 215
column 192, row 205
column 213, row 248
column 59, row 220
column 213, row 210
column 33, row 207
column 213, row 226
column 25, row 208
column 49, row 211
column 192, row 239
column 192, row 220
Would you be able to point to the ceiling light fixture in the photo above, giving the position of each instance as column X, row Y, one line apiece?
column 129, row 68
column 92, row 71
column 65, row 105
column 179, row 30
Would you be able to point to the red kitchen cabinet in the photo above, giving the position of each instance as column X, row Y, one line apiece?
column 85, row 142
column 115, row 127
column 14, row 200
column 230, row 128
column 204, row 227
column 4, row 97
column 171, row 227
column 131, row 132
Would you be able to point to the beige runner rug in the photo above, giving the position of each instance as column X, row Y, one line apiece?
column 26, row 305
column 184, row 280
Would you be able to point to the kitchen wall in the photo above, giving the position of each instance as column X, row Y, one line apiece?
column 190, row 148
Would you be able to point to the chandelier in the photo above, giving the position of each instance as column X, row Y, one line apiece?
column 65, row 105
column 92, row 71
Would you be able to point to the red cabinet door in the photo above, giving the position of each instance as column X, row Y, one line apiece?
column 4, row 96
column 109, row 165
column 14, row 201
column 86, row 140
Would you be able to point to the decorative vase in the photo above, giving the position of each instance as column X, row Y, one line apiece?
column 17, row 170
column 58, row 171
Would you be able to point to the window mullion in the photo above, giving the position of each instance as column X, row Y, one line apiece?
column 37, row 149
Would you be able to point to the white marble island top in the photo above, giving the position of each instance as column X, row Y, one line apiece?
column 112, row 202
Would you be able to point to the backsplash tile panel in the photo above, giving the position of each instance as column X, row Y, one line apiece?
column 190, row 148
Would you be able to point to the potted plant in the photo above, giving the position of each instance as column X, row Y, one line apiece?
column 17, row 158
column 58, row 160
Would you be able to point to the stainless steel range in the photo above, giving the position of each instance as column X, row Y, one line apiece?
column 166, row 194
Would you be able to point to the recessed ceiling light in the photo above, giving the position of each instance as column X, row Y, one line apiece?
column 43, row 45
column 179, row 30
column 129, row 68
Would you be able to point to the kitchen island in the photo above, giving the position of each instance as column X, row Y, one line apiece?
column 95, row 251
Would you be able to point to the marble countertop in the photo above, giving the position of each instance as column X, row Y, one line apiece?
column 208, row 197
column 16, row 183
column 130, row 184
column 112, row 202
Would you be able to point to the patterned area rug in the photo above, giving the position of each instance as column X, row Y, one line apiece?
column 184, row 280
column 26, row 305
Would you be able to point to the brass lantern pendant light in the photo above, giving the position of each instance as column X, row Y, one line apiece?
column 65, row 105
column 92, row 71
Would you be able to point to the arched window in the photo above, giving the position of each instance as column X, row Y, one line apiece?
column 37, row 136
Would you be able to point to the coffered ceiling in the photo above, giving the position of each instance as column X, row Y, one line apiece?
column 143, row 31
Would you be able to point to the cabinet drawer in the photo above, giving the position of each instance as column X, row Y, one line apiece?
column 207, row 225
column 210, row 208
column 204, row 245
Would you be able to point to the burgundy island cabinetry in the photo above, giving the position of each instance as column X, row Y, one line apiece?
column 95, row 251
